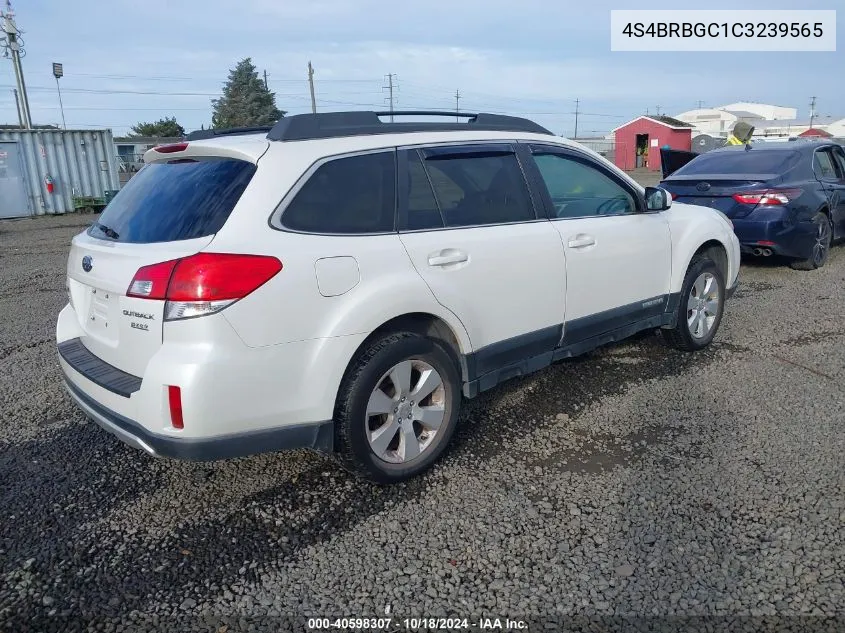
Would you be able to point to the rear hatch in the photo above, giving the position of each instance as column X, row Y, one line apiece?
column 170, row 209
column 728, row 180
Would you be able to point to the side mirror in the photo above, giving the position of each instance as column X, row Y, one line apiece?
column 657, row 199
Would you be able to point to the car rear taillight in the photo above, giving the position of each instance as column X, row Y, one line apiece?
column 203, row 283
column 770, row 197
column 150, row 282
column 674, row 195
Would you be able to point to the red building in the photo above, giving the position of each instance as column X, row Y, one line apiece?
column 815, row 132
column 638, row 142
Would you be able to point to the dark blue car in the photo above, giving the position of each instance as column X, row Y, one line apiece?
column 784, row 199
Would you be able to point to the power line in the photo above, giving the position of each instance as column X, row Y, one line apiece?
column 207, row 76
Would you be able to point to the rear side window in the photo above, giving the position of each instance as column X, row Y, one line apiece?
column 355, row 194
column 478, row 189
column 741, row 162
column 823, row 164
column 178, row 200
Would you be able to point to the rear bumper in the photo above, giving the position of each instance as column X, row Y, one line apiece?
column 236, row 400
column 317, row 436
column 789, row 240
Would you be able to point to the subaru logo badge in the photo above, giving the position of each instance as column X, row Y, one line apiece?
column 87, row 263
column 703, row 186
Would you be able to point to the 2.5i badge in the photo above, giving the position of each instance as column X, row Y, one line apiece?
column 139, row 315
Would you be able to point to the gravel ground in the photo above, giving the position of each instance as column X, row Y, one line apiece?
column 636, row 484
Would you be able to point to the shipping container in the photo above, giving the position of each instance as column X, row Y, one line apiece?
column 44, row 171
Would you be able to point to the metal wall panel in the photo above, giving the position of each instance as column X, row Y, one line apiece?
column 80, row 162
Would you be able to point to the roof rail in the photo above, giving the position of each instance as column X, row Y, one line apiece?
column 300, row 127
column 232, row 131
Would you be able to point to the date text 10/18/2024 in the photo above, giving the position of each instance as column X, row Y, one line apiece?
column 413, row 624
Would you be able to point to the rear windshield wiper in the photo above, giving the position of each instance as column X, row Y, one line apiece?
column 109, row 232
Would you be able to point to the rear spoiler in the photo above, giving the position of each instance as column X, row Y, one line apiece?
column 671, row 160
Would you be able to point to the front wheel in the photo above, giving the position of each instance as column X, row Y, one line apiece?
column 700, row 307
column 397, row 408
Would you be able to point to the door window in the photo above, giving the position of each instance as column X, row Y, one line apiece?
column 840, row 159
column 578, row 189
column 423, row 211
column 474, row 189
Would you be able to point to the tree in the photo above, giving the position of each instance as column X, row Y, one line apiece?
column 162, row 128
column 246, row 102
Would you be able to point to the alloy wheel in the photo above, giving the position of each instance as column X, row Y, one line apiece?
column 703, row 305
column 405, row 411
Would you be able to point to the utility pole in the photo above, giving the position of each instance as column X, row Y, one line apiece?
column 577, row 102
column 389, row 88
column 700, row 104
column 18, row 106
column 10, row 43
column 266, row 87
column 812, row 111
column 658, row 110
column 311, row 87
column 457, row 105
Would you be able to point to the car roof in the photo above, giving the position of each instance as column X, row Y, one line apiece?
column 805, row 145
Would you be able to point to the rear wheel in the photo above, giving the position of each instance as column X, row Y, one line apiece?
column 397, row 408
column 700, row 307
column 821, row 246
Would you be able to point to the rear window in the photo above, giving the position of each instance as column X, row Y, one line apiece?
column 741, row 162
column 178, row 200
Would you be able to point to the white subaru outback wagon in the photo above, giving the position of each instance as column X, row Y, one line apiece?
column 339, row 282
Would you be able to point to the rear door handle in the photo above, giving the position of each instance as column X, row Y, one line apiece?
column 446, row 257
column 582, row 241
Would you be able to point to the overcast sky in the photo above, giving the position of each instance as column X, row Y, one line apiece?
column 136, row 60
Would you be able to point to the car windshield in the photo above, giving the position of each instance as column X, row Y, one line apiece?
column 741, row 162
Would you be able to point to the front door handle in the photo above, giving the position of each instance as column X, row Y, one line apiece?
column 582, row 241
column 446, row 257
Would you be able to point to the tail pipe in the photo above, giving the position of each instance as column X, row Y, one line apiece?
column 762, row 252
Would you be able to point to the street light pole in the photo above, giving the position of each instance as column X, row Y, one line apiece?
column 58, row 71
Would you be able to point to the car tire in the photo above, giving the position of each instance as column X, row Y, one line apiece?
column 377, row 424
column 700, row 306
column 821, row 247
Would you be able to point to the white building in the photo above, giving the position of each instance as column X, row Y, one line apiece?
column 717, row 121
column 762, row 110
column 836, row 128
